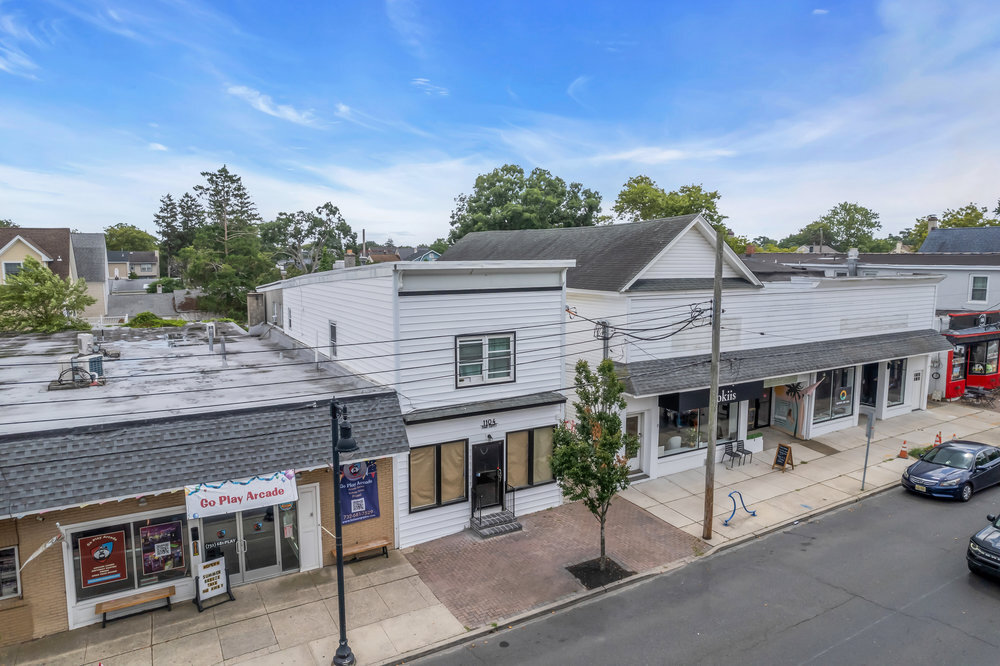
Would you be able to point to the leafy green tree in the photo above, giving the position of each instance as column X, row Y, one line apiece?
column 814, row 233
column 590, row 456
column 7, row 224
column 36, row 299
column 228, row 208
column 642, row 199
column 439, row 246
column 310, row 239
column 128, row 237
column 851, row 224
column 166, row 285
column 506, row 199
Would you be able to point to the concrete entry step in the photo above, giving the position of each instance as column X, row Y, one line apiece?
column 495, row 524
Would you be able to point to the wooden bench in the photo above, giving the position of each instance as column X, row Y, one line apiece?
column 105, row 607
column 358, row 548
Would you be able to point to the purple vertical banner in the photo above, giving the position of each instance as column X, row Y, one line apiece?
column 358, row 492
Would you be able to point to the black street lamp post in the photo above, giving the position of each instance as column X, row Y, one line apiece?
column 343, row 442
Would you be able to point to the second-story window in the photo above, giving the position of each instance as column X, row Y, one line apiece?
column 484, row 359
column 333, row 340
column 978, row 289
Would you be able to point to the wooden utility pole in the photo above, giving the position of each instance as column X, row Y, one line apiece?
column 713, row 391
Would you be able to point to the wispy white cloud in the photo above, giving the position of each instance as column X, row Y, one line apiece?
column 265, row 104
column 13, row 59
column 576, row 87
column 820, row 12
column 404, row 16
column 429, row 88
column 650, row 155
column 158, row 146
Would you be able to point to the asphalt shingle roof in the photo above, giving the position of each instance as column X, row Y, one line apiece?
column 688, row 284
column 90, row 255
column 57, row 468
column 607, row 257
column 53, row 242
column 962, row 239
column 484, row 407
column 687, row 373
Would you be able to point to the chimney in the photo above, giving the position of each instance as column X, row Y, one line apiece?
column 350, row 261
column 932, row 222
column 852, row 262
column 750, row 250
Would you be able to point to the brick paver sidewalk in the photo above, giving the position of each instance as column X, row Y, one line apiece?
column 483, row 581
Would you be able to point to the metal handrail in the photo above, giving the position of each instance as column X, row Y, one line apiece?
column 510, row 495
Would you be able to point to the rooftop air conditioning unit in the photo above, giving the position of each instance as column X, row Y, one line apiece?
column 85, row 343
column 92, row 363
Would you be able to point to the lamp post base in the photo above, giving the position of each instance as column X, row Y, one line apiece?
column 343, row 656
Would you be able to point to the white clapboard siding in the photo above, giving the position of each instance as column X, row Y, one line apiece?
column 691, row 256
column 361, row 307
column 429, row 324
column 580, row 340
column 789, row 313
column 422, row 526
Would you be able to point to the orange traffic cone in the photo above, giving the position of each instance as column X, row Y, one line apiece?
column 902, row 451
column 937, row 440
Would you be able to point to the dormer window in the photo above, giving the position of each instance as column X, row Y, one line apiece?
column 484, row 359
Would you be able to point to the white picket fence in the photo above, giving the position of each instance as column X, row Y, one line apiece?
column 105, row 321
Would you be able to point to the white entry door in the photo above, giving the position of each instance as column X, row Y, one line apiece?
column 310, row 538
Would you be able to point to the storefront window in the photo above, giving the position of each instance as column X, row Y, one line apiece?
column 128, row 555
column 958, row 363
column 437, row 475
column 896, row 373
column 834, row 397
column 683, row 431
column 8, row 573
column 528, row 456
column 983, row 357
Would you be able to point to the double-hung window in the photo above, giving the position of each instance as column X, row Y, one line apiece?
column 977, row 288
column 10, row 581
column 11, row 268
column 437, row 475
column 484, row 359
column 528, row 456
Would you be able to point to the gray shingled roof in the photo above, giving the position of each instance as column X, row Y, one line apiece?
column 922, row 259
column 90, row 253
column 483, row 407
column 962, row 239
column 57, row 468
column 607, row 257
column 689, row 284
column 132, row 304
column 687, row 373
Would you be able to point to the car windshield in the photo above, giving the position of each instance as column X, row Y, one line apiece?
column 944, row 455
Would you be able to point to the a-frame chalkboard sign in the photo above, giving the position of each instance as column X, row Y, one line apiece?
column 783, row 457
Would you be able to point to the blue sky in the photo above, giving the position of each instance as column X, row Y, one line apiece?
column 391, row 109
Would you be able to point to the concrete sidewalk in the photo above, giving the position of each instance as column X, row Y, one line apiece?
column 410, row 604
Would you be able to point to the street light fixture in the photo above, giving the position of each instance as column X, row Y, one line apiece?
column 343, row 442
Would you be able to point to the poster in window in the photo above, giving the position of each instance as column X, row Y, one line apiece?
column 842, row 397
column 103, row 558
column 162, row 547
column 358, row 492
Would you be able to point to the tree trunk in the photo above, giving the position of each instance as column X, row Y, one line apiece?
column 604, row 559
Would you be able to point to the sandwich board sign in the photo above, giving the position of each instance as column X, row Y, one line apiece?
column 211, row 581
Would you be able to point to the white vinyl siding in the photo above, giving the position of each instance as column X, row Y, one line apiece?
column 692, row 255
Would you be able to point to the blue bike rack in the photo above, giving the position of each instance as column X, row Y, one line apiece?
column 736, row 492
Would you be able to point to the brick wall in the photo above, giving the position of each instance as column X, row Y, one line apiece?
column 365, row 530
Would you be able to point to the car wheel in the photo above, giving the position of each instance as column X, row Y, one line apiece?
column 966, row 494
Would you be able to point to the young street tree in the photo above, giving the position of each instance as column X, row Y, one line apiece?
column 312, row 240
column 36, row 299
column 507, row 199
column 590, row 456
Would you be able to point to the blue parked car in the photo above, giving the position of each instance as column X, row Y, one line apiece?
column 983, row 555
column 954, row 469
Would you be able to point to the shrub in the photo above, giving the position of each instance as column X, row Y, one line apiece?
column 168, row 284
column 150, row 320
column 918, row 451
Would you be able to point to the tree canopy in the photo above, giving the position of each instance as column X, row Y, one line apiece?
column 128, row 238
column 506, row 198
column 641, row 199
column 590, row 456
column 36, row 299
column 7, row 224
column 312, row 240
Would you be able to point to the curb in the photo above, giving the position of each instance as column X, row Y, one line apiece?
column 582, row 597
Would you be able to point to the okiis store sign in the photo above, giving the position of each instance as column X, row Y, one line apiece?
column 219, row 497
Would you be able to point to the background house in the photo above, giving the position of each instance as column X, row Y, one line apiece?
column 51, row 247
column 91, row 257
column 145, row 264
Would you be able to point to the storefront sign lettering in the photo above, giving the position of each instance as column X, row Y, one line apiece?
column 726, row 395
column 358, row 492
column 102, row 558
column 217, row 498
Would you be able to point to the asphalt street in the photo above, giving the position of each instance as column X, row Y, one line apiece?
column 883, row 581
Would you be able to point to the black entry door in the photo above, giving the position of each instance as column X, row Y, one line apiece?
column 869, row 384
column 487, row 475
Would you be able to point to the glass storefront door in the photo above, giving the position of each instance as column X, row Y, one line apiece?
column 249, row 542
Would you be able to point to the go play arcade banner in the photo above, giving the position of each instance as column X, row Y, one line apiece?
column 358, row 492
column 214, row 499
